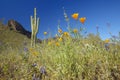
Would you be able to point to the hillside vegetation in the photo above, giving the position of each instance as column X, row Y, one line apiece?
column 11, row 38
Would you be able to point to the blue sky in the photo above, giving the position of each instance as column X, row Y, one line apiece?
column 97, row 13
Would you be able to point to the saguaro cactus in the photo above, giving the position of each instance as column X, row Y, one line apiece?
column 34, row 28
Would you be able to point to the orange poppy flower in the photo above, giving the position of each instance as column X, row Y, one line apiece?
column 66, row 34
column 75, row 16
column 82, row 19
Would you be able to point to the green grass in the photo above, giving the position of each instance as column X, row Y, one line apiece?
column 69, row 59
column 84, row 59
column 11, row 39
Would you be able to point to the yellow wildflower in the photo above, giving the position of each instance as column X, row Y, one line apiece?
column 32, row 51
column 107, row 41
column 49, row 43
column 60, row 31
column 66, row 34
column 57, row 44
column 60, row 39
column 75, row 31
column 35, row 53
column 45, row 33
column 75, row 16
column 82, row 19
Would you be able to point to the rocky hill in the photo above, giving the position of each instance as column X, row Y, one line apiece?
column 13, row 34
column 16, row 26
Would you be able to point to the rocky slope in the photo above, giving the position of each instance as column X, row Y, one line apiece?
column 14, row 34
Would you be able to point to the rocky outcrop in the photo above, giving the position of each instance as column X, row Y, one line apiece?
column 16, row 26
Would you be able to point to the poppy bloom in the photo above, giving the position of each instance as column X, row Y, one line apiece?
column 82, row 19
column 35, row 53
column 57, row 44
column 107, row 41
column 75, row 16
column 60, row 39
column 45, row 33
column 75, row 31
column 66, row 34
column 32, row 50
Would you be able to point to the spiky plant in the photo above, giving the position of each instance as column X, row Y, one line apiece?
column 67, row 20
column 34, row 28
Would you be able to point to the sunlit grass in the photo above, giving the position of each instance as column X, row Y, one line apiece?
column 66, row 60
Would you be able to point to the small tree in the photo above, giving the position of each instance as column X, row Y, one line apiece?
column 34, row 28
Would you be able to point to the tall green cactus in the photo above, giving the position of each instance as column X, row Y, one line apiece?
column 34, row 28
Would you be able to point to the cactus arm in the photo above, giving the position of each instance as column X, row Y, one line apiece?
column 31, row 23
column 37, row 23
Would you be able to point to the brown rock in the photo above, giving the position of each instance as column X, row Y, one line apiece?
column 16, row 26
